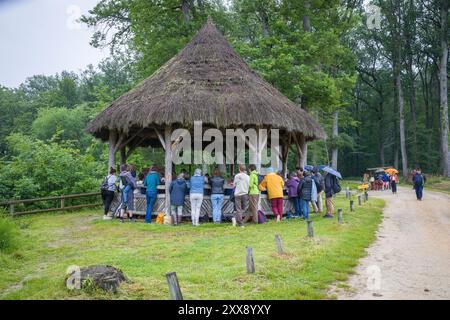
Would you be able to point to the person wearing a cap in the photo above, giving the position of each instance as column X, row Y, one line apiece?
column 274, row 184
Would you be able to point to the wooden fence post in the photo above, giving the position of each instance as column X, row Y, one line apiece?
column 250, row 261
column 11, row 209
column 279, row 244
column 359, row 200
column 62, row 203
column 310, row 229
column 340, row 216
column 174, row 286
column 347, row 192
column 351, row 206
column 366, row 196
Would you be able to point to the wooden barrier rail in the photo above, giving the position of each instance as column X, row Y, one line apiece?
column 12, row 203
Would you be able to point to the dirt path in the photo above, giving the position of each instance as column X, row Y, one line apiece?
column 411, row 257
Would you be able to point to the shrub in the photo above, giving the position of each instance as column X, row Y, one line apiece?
column 8, row 233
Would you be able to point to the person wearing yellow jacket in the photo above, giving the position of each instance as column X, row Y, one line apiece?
column 274, row 184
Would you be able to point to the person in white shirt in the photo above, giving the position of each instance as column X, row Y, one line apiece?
column 107, row 190
column 241, row 184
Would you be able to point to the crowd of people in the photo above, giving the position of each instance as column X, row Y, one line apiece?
column 382, row 181
column 304, row 190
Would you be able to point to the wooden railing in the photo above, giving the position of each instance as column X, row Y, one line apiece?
column 62, row 207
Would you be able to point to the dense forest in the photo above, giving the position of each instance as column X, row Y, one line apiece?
column 374, row 73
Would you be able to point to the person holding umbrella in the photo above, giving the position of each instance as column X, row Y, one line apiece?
column 393, row 179
column 332, row 187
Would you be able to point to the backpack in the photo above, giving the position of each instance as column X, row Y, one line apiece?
column 418, row 180
column 160, row 218
column 167, row 220
column 320, row 183
column 105, row 185
column 336, row 186
column 123, row 182
column 261, row 217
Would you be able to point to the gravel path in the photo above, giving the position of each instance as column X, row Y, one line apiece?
column 411, row 257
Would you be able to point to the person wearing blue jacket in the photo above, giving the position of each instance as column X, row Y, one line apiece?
column 197, row 185
column 178, row 190
column 127, row 186
column 151, row 182
column 217, row 194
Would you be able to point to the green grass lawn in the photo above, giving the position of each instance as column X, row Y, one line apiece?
column 209, row 260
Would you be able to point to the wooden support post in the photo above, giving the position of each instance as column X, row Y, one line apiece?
column 310, row 229
column 279, row 244
column 304, row 151
column 352, row 206
column 62, row 203
column 347, row 193
column 366, row 196
column 340, row 216
column 11, row 209
column 174, row 286
column 168, row 166
column 262, row 144
column 112, row 149
column 250, row 261
column 359, row 200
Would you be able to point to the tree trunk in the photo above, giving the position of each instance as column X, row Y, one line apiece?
column 401, row 106
column 304, row 99
column 397, row 55
column 396, row 157
column 381, row 132
column 306, row 19
column 264, row 22
column 185, row 10
column 444, row 89
column 335, row 135
column 123, row 155
column 413, row 105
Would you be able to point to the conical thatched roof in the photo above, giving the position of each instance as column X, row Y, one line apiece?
column 207, row 81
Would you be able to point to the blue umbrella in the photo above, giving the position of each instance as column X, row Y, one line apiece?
column 332, row 171
column 309, row 168
column 320, row 167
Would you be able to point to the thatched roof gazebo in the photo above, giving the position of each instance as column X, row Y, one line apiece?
column 206, row 81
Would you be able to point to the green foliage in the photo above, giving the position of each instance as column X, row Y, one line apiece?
column 38, row 169
column 60, row 124
column 8, row 233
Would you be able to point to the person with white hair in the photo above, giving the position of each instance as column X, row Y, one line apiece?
column 197, row 185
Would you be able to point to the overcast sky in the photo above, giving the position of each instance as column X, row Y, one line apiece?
column 43, row 37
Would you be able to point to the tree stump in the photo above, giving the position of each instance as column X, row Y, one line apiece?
column 104, row 277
